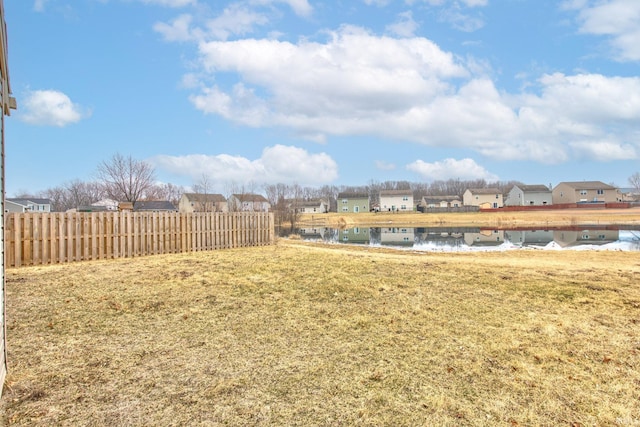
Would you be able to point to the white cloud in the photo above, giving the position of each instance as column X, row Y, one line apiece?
column 286, row 164
column 38, row 5
column 299, row 7
column 171, row 3
column 405, row 25
column 617, row 19
column 235, row 20
column 50, row 108
column 385, row 166
column 178, row 30
column 464, row 169
column 605, row 150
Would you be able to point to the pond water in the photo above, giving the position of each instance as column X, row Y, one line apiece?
column 461, row 239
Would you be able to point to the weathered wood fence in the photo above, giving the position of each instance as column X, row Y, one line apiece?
column 52, row 238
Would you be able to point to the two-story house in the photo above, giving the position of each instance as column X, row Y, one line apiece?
column 248, row 203
column 585, row 192
column 201, row 202
column 353, row 202
column 396, row 200
column 529, row 195
column 483, row 197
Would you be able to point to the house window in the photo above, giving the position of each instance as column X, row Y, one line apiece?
column 583, row 192
column 497, row 196
column 600, row 192
column 345, row 201
column 345, row 209
column 405, row 198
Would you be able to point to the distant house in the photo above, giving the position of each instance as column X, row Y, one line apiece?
column 431, row 202
column 108, row 204
column 353, row 202
column 154, row 206
column 585, row 192
column 396, row 201
column 483, row 197
column 485, row 238
column 21, row 205
column 309, row 206
column 200, row 202
column 248, row 203
column 529, row 195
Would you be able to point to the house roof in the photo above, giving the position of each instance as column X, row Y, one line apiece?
column 349, row 195
column 535, row 188
column 205, row 197
column 250, row 198
column 307, row 203
column 26, row 201
column 588, row 185
column 484, row 190
column 396, row 193
column 441, row 198
column 154, row 205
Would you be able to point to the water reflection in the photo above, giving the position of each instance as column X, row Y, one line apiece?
column 469, row 238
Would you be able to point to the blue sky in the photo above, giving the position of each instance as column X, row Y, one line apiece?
column 334, row 92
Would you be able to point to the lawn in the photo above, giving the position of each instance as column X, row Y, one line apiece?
column 308, row 334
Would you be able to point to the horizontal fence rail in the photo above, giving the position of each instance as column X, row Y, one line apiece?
column 60, row 237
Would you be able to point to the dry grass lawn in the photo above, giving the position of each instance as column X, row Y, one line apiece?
column 305, row 334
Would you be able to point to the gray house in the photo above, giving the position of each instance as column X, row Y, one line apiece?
column 529, row 195
column 21, row 205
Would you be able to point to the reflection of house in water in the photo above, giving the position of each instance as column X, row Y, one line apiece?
column 529, row 237
column 397, row 236
column 313, row 232
column 484, row 238
column 440, row 236
column 355, row 235
column 567, row 238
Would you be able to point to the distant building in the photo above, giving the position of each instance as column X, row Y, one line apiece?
column 585, row 192
column 483, row 197
column 529, row 195
column 396, row 201
column 154, row 206
column 353, row 202
column 27, row 205
column 200, row 202
column 248, row 203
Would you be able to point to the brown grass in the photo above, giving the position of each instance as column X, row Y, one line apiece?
column 548, row 218
column 306, row 334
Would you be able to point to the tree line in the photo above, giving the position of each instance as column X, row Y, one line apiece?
column 125, row 179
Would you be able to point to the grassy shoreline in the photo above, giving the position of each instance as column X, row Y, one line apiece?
column 306, row 334
column 551, row 218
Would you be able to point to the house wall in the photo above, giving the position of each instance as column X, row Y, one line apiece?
column 518, row 197
column 355, row 205
column 482, row 200
column 402, row 203
column 564, row 193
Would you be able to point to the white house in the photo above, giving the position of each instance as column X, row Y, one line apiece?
column 396, row 201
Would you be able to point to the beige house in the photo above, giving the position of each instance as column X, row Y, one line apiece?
column 585, row 192
column 396, row 201
column 485, row 198
column 248, row 203
column 200, row 202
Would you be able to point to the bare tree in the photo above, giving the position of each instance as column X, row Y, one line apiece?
column 125, row 178
column 634, row 181
column 168, row 191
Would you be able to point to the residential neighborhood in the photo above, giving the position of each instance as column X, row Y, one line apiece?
column 563, row 195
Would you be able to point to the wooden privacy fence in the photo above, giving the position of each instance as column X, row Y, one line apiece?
column 58, row 237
